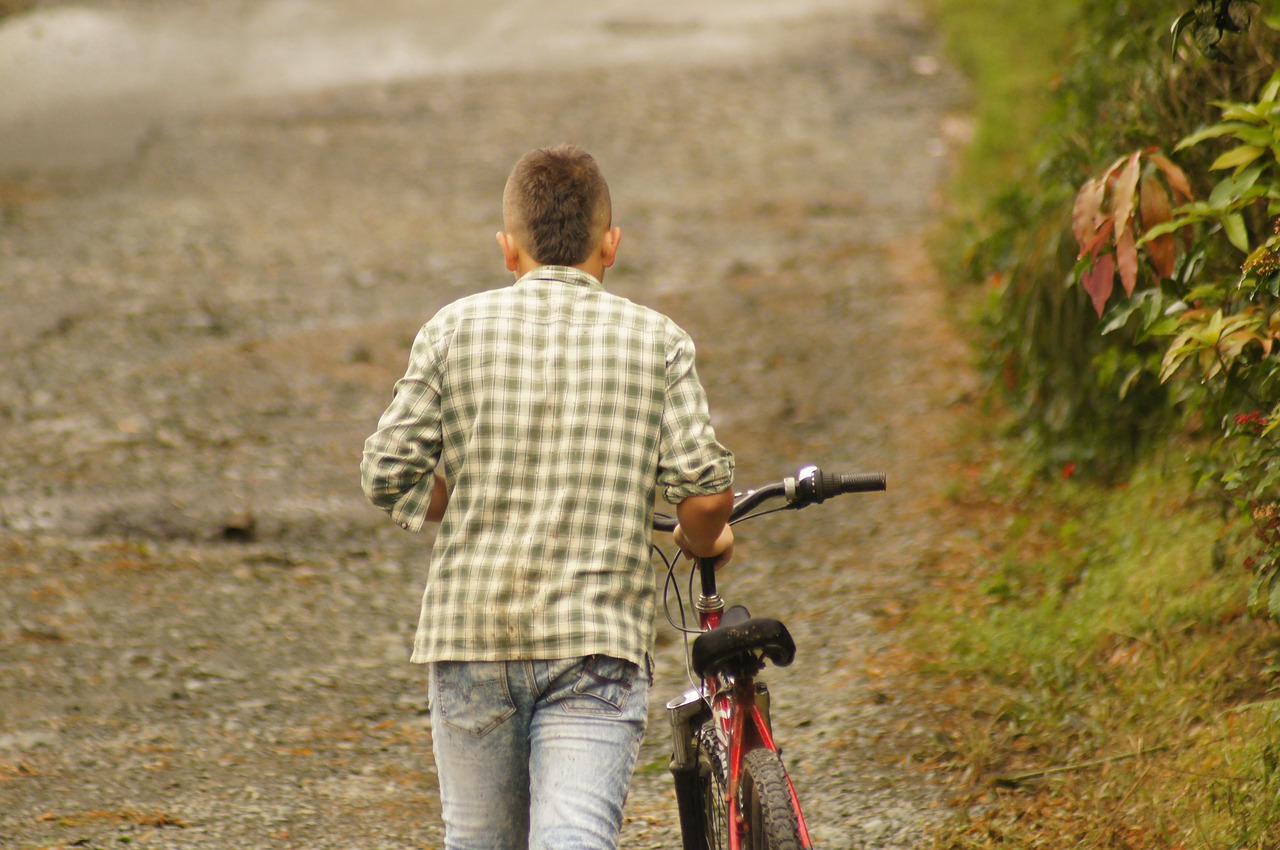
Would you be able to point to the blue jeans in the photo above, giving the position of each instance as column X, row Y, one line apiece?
column 536, row 754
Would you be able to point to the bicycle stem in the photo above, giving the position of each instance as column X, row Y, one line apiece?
column 709, row 603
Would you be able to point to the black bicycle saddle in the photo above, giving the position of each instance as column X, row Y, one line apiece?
column 741, row 643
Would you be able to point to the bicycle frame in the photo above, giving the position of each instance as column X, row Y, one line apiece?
column 739, row 719
column 730, row 700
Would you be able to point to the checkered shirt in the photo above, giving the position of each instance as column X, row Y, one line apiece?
column 555, row 411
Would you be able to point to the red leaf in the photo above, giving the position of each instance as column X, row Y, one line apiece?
column 1086, row 216
column 1095, row 243
column 1123, row 192
column 1153, row 205
column 1163, row 251
column 1176, row 176
column 1127, row 259
column 1153, row 202
column 1100, row 280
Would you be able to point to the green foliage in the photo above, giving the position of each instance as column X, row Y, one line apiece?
column 988, row 41
column 1212, row 20
column 1212, row 302
column 1112, row 695
column 1098, row 640
column 1044, row 349
column 1096, row 401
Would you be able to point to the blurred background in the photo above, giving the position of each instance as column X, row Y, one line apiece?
column 221, row 225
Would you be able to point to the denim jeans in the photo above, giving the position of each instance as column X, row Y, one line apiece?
column 536, row 754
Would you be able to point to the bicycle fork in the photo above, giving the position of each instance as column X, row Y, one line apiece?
column 740, row 715
column 686, row 713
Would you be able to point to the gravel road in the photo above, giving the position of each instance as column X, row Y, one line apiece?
column 204, row 630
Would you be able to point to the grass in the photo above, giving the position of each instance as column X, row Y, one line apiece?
column 1010, row 51
column 1098, row 681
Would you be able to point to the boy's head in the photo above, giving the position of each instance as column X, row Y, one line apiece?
column 556, row 208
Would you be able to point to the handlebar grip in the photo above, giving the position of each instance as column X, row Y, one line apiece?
column 827, row 484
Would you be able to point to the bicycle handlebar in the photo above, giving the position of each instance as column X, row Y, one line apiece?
column 810, row 486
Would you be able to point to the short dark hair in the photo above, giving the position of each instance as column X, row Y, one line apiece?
column 557, row 202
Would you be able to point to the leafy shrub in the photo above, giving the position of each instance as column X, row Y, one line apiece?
column 1212, row 302
column 1089, row 400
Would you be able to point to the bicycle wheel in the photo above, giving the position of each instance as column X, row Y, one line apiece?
column 766, row 803
column 712, row 789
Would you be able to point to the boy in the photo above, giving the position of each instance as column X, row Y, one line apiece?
column 536, row 423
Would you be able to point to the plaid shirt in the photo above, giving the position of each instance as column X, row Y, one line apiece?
column 554, row 410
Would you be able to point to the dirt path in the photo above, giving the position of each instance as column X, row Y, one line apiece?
column 203, row 629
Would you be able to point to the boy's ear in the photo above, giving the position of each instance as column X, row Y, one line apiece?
column 510, row 250
column 609, row 246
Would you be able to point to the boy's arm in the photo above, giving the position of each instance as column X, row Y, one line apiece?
column 400, row 457
column 439, row 499
column 703, row 530
column 696, row 472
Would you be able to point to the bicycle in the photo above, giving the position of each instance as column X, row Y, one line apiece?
column 732, row 789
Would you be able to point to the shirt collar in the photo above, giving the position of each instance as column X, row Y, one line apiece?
column 561, row 274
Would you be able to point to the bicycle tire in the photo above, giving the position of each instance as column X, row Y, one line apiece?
column 713, row 784
column 766, row 803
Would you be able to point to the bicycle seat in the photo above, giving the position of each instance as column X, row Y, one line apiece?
column 742, row 645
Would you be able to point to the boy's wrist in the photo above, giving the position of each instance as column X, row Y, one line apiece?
column 704, row 548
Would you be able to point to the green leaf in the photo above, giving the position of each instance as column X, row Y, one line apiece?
column 1198, row 208
column 1178, row 26
column 1252, row 113
column 1152, row 302
column 1256, row 591
column 1130, row 379
column 1170, row 226
column 1183, row 347
column 1234, row 187
column 1213, row 131
column 1148, row 304
column 1203, row 292
column 1119, row 315
column 1237, row 157
column 1271, row 91
column 1273, row 601
column 1163, row 327
column 1233, row 225
column 1260, row 136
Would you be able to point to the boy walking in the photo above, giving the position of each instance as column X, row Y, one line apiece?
column 537, row 423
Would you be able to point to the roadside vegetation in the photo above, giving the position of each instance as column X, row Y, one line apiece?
column 1104, row 662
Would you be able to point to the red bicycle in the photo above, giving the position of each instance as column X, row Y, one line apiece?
column 732, row 789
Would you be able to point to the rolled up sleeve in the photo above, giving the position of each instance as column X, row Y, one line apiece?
column 691, row 461
column 399, row 458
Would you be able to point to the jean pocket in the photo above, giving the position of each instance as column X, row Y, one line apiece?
column 472, row 696
column 604, row 686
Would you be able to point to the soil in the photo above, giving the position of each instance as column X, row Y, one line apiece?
column 204, row 630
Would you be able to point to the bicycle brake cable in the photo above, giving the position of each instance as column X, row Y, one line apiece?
column 762, row 513
column 671, row 585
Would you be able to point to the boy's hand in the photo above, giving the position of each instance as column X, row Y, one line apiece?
column 721, row 551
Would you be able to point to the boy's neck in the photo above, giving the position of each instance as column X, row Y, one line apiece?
column 596, row 270
column 520, row 262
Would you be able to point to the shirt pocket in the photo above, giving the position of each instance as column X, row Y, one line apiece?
column 472, row 696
